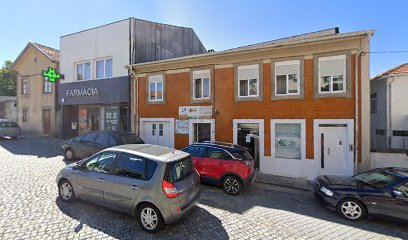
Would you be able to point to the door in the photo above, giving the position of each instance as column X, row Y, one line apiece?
column 216, row 163
column 86, row 147
column 202, row 132
column 334, row 157
column 395, row 202
column 126, row 182
column 46, row 121
column 90, row 179
column 157, row 133
column 248, row 136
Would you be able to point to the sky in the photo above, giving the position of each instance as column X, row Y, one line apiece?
column 220, row 24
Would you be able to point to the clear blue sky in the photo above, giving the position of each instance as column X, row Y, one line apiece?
column 219, row 24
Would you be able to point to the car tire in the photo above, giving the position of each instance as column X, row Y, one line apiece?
column 66, row 191
column 231, row 185
column 149, row 218
column 351, row 209
column 69, row 154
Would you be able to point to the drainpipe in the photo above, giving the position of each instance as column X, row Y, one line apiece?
column 389, row 113
column 136, row 94
column 356, row 116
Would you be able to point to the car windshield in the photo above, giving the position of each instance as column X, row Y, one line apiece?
column 241, row 154
column 130, row 139
column 376, row 179
column 8, row 124
column 179, row 170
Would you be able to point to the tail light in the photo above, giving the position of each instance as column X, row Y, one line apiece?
column 169, row 189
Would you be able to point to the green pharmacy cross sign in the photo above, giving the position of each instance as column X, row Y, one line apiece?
column 51, row 75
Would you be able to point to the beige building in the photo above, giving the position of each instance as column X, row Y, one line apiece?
column 36, row 98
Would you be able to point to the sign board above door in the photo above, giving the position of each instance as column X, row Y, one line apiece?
column 195, row 112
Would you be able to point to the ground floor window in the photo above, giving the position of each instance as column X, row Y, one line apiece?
column 89, row 119
column 287, row 141
column 202, row 132
column 25, row 115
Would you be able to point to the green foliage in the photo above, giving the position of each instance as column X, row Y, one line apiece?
column 8, row 80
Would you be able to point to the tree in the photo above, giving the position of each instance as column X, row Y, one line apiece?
column 8, row 80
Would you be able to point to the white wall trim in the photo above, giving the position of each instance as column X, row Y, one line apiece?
column 235, row 123
column 191, row 128
column 171, row 120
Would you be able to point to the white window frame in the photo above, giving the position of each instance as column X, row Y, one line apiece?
column 104, row 67
column 47, row 86
column 154, row 79
column 261, row 128
column 286, row 63
column 191, row 123
column 83, row 70
column 302, row 123
column 239, row 80
column 331, row 58
column 207, row 72
column 25, row 90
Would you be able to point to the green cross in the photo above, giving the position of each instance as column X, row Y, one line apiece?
column 51, row 74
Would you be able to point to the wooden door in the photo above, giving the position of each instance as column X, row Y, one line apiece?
column 46, row 116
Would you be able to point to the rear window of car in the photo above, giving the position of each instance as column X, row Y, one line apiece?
column 8, row 124
column 179, row 170
column 130, row 139
column 241, row 154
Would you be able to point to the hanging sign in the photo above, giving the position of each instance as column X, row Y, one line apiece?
column 51, row 75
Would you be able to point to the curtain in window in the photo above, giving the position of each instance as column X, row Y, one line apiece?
column 243, row 88
column 159, row 87
column 281, row 84
column 197, row 88
column 287, row 141
column 152, row 90
column 325, row 84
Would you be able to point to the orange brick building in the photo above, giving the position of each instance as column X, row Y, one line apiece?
column 298, row 103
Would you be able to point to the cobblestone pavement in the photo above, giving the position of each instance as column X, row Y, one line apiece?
column 30, row 208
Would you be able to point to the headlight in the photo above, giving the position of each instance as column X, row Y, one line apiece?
column 326, row 191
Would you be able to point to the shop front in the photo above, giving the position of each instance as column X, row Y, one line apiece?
column 94, row 105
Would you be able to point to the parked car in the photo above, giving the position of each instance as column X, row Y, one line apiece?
column 223, row 164
column 90, row 143
column 157, row 185
column 9, row 129
column 382, row 191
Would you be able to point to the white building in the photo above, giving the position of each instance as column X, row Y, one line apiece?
column 389, row 109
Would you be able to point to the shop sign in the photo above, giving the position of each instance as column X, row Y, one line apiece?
column 51, row 75
column 112, row 117
column 82, row 92
column 195, row 112
column 181, row 126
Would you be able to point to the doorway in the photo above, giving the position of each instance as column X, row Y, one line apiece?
column 157, row 131
column 201, row 130
column 46, row 121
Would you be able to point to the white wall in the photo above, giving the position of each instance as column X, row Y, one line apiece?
column 379, row 119
column 399, row 110
column 381, row 160
column 111, row 40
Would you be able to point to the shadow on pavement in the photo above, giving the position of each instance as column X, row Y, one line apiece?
column 122, row 226
column 33, row 145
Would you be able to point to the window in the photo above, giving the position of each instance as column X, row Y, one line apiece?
column 288, row 140
column 130, row 165
column 89, row 137
column 195, row 151
column 373, row 101
column 332, row 74
column 376, row 179
column 380, row 132
column 102, row 139
column 248, row 80
column 113, row 141
column 156, row 88
column 150, row 168
column 153, row 129
column 217, row 153
column 161, row 129
column 83, row 71
column 201, row 81
column 287, row 80
column 25, row 88
column 403, row 188
column 104, row 68
column 179, row 170
column 400, row 133
column 47, row 86
column 25, row 115
column 101, row 162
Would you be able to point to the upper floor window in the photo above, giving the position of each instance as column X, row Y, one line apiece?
column 156, row 88
column 83, row 71
column 373, row 101
column 201, row 81
column 332, row 74
column 104, row 68
column 248, row 80
column 25, row 87
column 47, row 86
column 287, row 80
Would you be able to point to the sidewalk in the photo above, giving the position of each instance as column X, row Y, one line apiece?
column 296, row 183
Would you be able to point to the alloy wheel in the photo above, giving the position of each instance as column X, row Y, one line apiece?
column 231, row 185
column 351, row 210
column 149, row 218
column 66, row 191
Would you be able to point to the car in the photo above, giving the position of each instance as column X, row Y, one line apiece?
column 9, row 129
column 223, row 164
column 90, row 143
column 381, row 191
column 157, row 185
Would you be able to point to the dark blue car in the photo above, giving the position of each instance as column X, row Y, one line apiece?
column 381, row 191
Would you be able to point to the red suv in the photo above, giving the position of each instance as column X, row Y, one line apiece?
column 223, row 164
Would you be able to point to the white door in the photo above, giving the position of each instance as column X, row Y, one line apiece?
column 157, row 133
column 334, row 157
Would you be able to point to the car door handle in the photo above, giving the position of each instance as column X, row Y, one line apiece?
column 101, row 180
column 134, row 187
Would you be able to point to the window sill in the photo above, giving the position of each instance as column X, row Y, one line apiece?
column 345, row 94
column 201, row 100
column 249, row 98
column 287, row 97
column 156, row 102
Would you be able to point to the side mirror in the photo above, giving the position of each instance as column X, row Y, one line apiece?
column 397, row 193
column 77, row 167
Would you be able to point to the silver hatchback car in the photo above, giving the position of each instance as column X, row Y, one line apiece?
column 9, row 128
column 157, row 185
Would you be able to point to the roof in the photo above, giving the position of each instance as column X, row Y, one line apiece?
column 151, row 151
column 8, row 98
column 400, row 69
column 324, row 35
column 51, row 53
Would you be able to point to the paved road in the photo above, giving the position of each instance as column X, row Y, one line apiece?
column 30, row 208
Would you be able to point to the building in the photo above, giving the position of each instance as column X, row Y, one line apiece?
column 389, row 112
column 297, row 103
column 36, row 97
column 95, row 92
column 8, row 108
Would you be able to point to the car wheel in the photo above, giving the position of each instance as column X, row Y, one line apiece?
column 150, row 218
column 66, row 191
column 351, row 209
column 232, row 185
column 69, row 154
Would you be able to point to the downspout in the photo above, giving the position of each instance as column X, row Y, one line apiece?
column 129, row 112
column 389, row 113
column 136, row 94
column 356, row 109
